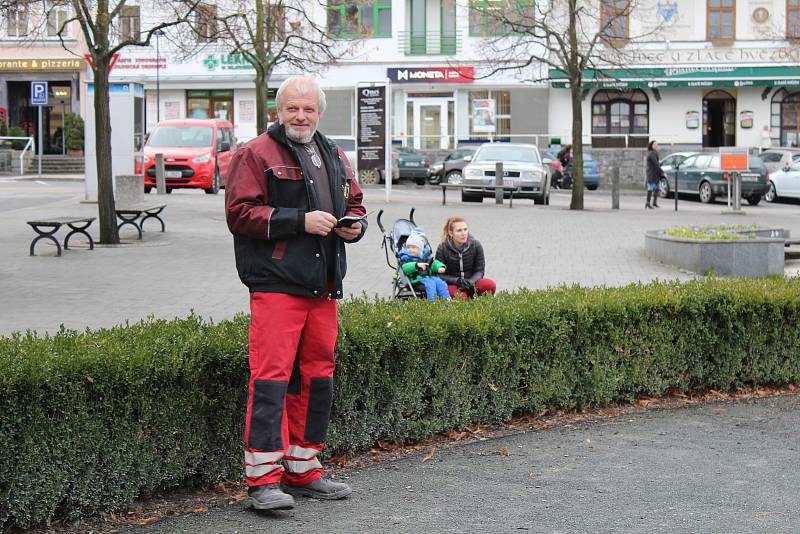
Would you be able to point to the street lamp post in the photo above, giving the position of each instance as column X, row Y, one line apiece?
column 158, row 35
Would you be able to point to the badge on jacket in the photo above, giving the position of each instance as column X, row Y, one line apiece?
column 347, row 189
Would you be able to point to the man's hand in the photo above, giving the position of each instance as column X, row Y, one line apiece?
column 320, row 223
column 348, row 233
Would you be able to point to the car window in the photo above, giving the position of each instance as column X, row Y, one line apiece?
column 668, row 161
column 796, row 157
column 345, row 144
column 702, row 161
column 688, row 162
column 507, row 153
column 795, row 167
column 181, row 136
column 770, row 157
column 714, row 164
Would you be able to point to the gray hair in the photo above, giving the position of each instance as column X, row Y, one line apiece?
column 303, row 85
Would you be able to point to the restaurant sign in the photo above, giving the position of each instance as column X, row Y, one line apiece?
column 41, row 65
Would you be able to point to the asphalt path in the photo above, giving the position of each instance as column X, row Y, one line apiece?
column 727, row 467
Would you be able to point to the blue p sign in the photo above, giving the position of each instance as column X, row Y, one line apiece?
column 38, row 93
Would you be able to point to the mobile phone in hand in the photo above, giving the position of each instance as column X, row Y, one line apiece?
column 348, row 221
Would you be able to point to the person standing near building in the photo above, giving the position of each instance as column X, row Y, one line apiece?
column 285, row 192
column 654, row 174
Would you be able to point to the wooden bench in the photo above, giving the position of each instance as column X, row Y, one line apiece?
column 136, row 215
column 46, row 228
column 510, row 188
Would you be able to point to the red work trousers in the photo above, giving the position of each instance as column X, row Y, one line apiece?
column 484, row 285
column 292, row 341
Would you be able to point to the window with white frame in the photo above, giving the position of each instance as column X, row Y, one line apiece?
column 57, row 16
column 17, row 17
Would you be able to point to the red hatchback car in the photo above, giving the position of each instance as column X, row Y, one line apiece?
column 197, row 153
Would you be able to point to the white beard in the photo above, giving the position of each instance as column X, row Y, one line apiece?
column 298, row 137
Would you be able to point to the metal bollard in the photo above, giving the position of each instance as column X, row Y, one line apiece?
column 161, row 186
column 615, row 187
column 737, row 191
column 498, row 182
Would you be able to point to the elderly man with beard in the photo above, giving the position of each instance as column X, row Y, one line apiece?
column 285, row 192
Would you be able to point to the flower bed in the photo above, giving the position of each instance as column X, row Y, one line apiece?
column 724, row 250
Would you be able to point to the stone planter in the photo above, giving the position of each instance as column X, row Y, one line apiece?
column 749, row 257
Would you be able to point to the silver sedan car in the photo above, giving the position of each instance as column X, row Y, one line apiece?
column 522, row 166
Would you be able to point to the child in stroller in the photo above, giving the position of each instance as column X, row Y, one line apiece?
column 419, row 266
column 394, row 244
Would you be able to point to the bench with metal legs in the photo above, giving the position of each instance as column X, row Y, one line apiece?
column 131, row 216
column 47, row 228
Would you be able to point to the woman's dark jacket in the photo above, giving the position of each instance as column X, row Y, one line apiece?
column 467, row 262
column 654, row 171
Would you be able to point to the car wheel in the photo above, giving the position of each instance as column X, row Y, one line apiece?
column 753, row 200
column 663, row 187
column 592, row 187
column 419, row 181
column 771, row 195
column 706, row 193
column 454, row 177
column 539, row 201
column 214, row 189
column 147, row 189
column 169, row 190
column 547, row 200
column 370, row 177
column 468, row 197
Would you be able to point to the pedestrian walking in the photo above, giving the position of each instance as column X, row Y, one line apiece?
column 286, row 191
column 654, row 174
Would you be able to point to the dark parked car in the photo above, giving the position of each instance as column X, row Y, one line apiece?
column 413, row 165
column 450, row 169
column 700, row 174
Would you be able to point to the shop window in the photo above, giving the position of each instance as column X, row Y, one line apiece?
column 502, row 114
column 618, row 114
column 57, row 16
column 793, row 19
column 615, row 19
column 18, row 14
column 488, row 18
column 366, row 18
column 213, row 104
column 129, row 23
column 721, row 20
column 785, row 119
column 206, row 22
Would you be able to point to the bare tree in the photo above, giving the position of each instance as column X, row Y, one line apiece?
column 106, row 27
column 267, row 34
column 567, row 36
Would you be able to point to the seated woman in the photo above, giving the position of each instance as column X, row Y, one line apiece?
column 463, row 258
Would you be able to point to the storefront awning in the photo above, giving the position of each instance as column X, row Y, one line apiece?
column 668, row 77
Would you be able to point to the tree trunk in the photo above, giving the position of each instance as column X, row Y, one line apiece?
column 102, row 131
column 262, row 117
column 577, row 147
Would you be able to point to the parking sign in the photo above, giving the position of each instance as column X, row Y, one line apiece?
column 38, row 93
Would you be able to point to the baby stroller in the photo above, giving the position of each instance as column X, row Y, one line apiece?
column 393, row 241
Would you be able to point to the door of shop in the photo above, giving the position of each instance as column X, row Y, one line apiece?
column 214, row 104
column 25, row 116
column 719, row 119
column 433, row 123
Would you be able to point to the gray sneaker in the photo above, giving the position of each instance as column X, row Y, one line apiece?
column 269, row 497
column 322, row 488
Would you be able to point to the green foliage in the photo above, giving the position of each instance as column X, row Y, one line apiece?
column 714, row 233
column 90, row 420
column 73, row 131
column 16, row 131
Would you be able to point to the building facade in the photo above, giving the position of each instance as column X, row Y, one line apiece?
column 429, row 51
column 31, row 50
column 707, row 73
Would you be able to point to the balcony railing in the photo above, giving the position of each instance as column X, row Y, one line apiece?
column 429, row 43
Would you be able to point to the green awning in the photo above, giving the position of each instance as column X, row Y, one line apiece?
column 684, row 76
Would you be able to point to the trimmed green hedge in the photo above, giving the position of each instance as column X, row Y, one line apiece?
column 88, row 421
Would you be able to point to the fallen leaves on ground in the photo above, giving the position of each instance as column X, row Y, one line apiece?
column 429, row 455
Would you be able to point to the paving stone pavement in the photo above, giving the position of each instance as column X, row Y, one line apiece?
column 191, row 266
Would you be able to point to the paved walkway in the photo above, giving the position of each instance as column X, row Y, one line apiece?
column 191, row 266
column 722, row 467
